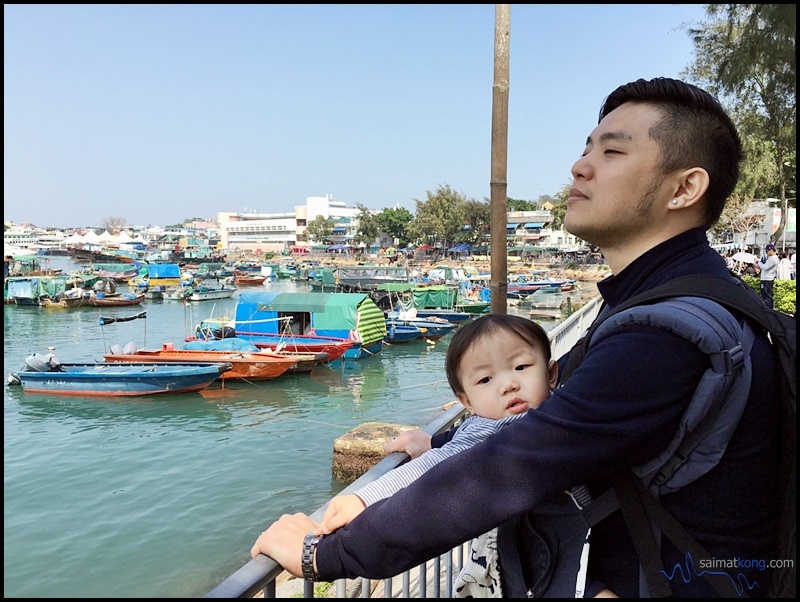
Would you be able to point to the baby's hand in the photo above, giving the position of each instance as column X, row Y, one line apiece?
column 340, row 511
column 414, row 442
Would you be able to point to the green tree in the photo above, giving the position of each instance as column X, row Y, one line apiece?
column 559, row 209
column 320, row 229
column 478, row 216
column 368, row 226
column 395, row 223
column 440, row 217
column 519, row 205
column 746, row 55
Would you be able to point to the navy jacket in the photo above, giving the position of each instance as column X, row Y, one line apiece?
column 618, row 409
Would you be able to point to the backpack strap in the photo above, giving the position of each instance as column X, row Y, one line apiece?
column 708, row 422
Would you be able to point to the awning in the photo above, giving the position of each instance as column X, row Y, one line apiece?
column 340, row 229
column 534, row 225
column 511, row 226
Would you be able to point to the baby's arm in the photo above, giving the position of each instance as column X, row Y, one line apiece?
column 340, row 511
column 414, row 442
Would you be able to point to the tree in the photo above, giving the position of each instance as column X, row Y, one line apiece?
column 746, row 54
column 440, row 217
column 113, row 224
column 519, row 205
column 395, row 222
column 478, row 216
column 559, row 209
column 320, row 229
column 368, row 226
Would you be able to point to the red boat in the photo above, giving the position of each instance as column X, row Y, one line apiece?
column 297, row 343
column 261, row 365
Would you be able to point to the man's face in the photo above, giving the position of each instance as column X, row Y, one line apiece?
column 617, row 180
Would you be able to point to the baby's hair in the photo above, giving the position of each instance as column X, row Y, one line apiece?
column 471, row 334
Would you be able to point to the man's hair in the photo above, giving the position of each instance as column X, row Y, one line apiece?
column 694, row 131
column 471, row 334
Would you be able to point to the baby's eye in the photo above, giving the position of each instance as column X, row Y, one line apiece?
column 522, row 367
column 484, row 380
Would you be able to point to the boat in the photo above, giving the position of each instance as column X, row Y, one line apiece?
column 258, row 365
column 113, row 300
column 46, row 375
column 209, row 289
column 29, row 290
column 352, row 317
column 67, row 300
column 357, row 279
column 402, row 333
column 303, row 362
column 435, row 328
column 250, row 280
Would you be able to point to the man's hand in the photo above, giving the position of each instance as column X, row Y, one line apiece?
column 283, row 541
column 340, row 511
column 414, row 442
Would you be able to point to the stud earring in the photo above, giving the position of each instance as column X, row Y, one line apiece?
column 674, row 201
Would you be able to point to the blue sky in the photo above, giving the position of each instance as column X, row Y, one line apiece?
column 157, row 113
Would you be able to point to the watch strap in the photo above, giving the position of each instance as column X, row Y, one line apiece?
column 310, row 542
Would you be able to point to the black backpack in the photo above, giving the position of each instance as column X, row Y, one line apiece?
column 642, row 511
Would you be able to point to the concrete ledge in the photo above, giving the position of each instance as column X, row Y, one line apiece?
column 355, row 452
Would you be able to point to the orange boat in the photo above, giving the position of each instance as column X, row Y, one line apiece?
column 260, row 365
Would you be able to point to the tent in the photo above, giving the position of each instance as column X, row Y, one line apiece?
column 425, row 247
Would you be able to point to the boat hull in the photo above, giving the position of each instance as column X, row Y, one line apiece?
column 335, row 348
column 263, row 365
column 121, row 379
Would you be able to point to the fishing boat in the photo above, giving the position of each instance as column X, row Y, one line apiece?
column 402, row 333
column 300, row 318
column 46, row 375
column 209, row 289
column 68, row 299
column 435, row 328
column 113, row 300
column 303, row 362
column 259, row 365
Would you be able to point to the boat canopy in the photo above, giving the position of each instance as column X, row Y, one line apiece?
column 163, row 270
column 352, row 316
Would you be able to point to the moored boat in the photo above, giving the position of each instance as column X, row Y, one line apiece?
column 46, row 375
column 259, row 365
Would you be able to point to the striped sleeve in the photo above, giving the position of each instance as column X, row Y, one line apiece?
column 474, row 430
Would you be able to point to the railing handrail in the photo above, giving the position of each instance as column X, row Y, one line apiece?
column 262, row 571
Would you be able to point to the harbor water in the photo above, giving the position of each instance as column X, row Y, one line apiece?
column 162, row 496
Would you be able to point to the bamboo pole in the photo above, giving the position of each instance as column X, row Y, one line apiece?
column 498, row 184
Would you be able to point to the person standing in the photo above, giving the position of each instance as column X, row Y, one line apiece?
column 653, row 177
column 769, row 271
column 784, row 268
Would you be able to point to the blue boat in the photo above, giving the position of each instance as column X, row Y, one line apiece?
column 46, row 375
column 402, row 333
column 435, row 328
column 350, row 316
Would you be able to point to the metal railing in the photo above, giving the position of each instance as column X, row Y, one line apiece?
column 260, row 574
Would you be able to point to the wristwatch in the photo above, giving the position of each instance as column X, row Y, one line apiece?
column 310, row 542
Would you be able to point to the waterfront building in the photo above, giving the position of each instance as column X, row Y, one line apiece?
column 276, row 232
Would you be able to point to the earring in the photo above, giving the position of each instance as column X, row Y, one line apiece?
column 674, row 201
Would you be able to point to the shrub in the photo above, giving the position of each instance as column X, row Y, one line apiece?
column 784, row 293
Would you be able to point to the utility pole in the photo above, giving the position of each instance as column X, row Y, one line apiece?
column 498, row 184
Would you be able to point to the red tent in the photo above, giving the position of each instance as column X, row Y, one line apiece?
column 425, row 247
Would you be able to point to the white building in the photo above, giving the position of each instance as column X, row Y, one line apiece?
column 275, row 232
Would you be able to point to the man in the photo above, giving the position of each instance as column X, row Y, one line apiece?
column 769, row 271
column 654, row 176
